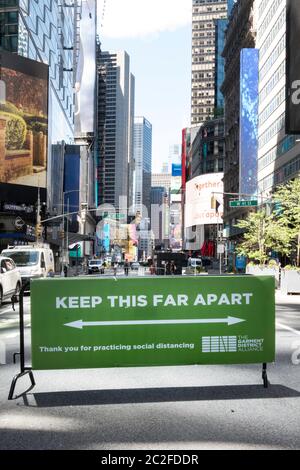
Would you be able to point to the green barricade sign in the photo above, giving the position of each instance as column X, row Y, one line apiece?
column 97, row 323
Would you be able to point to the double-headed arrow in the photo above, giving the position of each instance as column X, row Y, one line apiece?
column 80, row 324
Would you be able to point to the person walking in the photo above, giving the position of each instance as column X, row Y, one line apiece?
column 126, row 268
column 115, row 269
column 173, row 268
column 168, row 268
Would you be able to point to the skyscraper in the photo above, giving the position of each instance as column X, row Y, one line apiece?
column 205, row 12
column 48, row 31
column 143, row 164
column 242, row 26
column 117, row 87
column 45, row 31
column 221, row 26
column 278, row 153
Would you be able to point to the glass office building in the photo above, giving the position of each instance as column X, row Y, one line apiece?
column 204, row 15
column 143, row 163
column 47, row 31
column 221, row 26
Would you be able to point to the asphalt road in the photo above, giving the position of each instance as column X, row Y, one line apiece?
column 199, row 407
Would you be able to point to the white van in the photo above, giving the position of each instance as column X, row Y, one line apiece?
column 33, row 261
column 195, row 263
column 10, row 279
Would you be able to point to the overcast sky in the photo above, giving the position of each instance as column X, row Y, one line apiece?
column 157, row 36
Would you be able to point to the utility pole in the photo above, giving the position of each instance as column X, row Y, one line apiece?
column 38, row 227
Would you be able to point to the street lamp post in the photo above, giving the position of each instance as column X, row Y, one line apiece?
column 65, row 243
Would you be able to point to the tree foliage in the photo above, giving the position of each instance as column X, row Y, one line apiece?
column 256, row 236
column 287, row 197
column 279, row 231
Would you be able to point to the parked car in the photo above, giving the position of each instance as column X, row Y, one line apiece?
column 33, row 261
column 10, row 279
column 135, row 266
column 95, row 266
column 195, row 262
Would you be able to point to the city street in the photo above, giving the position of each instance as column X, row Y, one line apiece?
column 198, row 407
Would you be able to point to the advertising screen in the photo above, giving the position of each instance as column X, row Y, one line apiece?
column 176, row 170
column 86, row 70
column 199, row 194
column 23, row 121
column 175, row 193
column 249, row 99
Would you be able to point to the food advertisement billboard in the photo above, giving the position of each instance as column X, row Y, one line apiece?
column 23, row 121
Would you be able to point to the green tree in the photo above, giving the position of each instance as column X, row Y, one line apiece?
column 287, row 197
column 263, row 233
column 256, row 238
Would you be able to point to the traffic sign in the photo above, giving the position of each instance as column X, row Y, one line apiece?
column 253, row 203
column 93, row 323
column 221, row 249
column 19, row 223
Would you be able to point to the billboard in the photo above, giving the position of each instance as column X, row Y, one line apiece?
column 98, row 323
column 292, row 68
column 85, row 86
column 199, row 193
column 249, row 101
column 23, row 121
column 176, row 169
column 72, row 184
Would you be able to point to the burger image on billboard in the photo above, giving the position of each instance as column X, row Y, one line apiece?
column 23, row 121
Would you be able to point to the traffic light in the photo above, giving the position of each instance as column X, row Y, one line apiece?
column 38, row 230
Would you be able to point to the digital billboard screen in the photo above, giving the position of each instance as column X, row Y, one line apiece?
column 86, row 70
column 292, row 68
column 199, row 194
column 249, row 100
column 23, row 121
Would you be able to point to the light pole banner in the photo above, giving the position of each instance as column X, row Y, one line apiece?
column 99, row 323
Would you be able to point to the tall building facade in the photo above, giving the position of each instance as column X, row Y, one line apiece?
column 221, row 26
column 143, row 164
column 161, row 180
column 174, row 156
column 205, row 13
column 131, row 158
column 208, row 150
column 116, row 152
column 160, row 211
column 46, row 31
column 278, row 153
column 241, row 26
column 51, row 32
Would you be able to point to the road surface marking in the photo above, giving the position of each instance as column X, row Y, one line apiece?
column 288, row 328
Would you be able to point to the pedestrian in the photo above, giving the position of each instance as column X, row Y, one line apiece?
column 115, row 269
column 173, row 268
column 126, row 268
column 152, row 269
column 65, row 270
column 168, row 268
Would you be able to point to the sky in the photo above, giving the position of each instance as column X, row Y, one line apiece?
column 157, row 36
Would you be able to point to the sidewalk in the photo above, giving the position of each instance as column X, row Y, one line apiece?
column 288, row 299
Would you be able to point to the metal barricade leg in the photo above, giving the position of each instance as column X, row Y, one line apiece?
column 23, row 370
column 265, row 376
